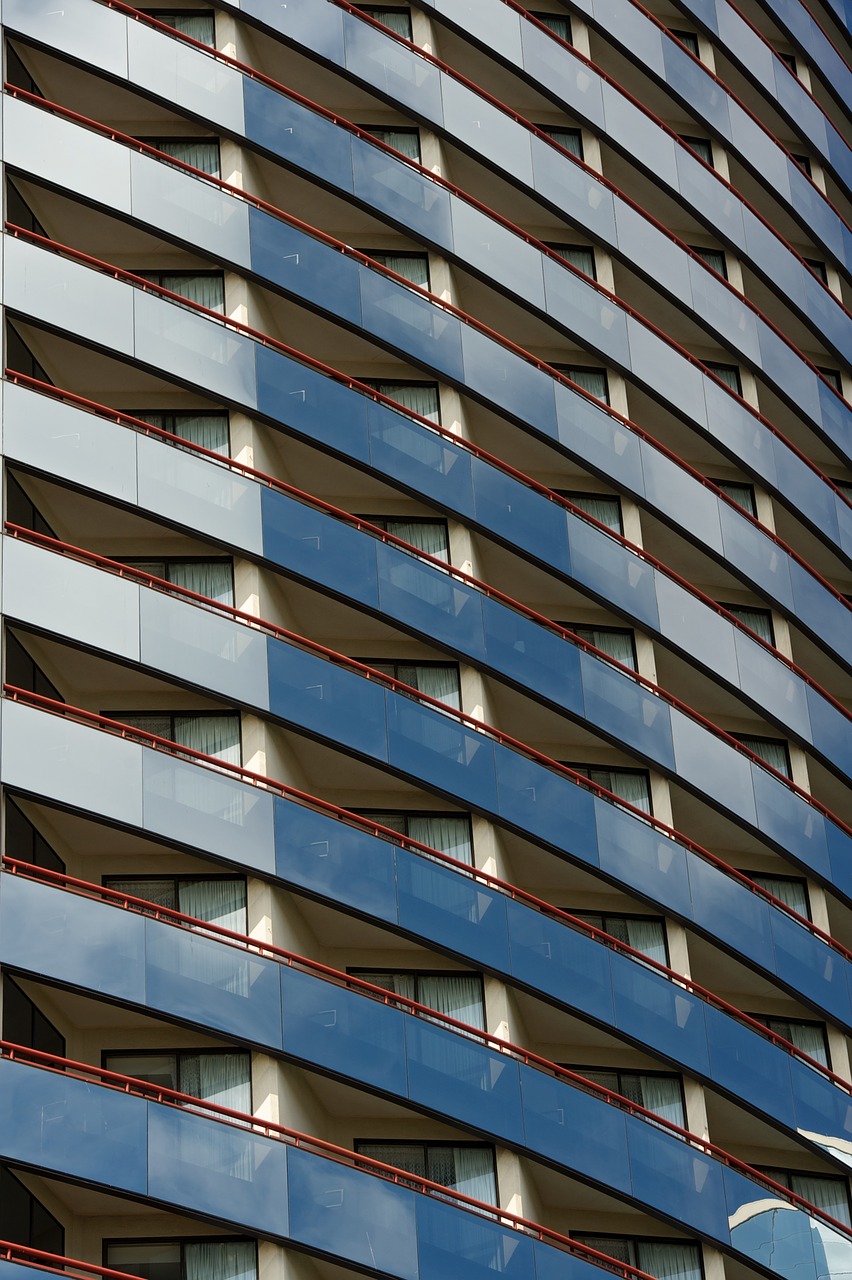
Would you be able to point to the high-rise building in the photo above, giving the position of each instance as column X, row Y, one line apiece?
column 426, row 633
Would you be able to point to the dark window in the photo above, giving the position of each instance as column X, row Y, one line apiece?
column 819, row 269
column 557, row 23
column 17, row 74
column 20, row 213
column 657, row 1091
column 210, row 1258
column 419, row 397
column 25, row 842
column 428, row 536
column 757, row 620
column 618, row 642
column 20, row 509
column 827, row 1193
column 467, row 1167
column 24, row 1219
column 643, row 933
column 222, row 1077
column 590, row 378
column 809, row 1037
column 727, row 373
column 581, row 256
column 413, row 266
column 406, row 141
column 210, row 430
column 213, row 579
column 458, row 995
column 714, row 258
column 25, row 673
column 219, row 900
column 398, row 20
column 789, row 60
column 436, row 679
column 741, row 494
column 200, row 153
column 702, row 147
column 21, row 359
column 207, row 288
column 196, row 23
column 665, row 1259
column 804, row 163
column 772, row 750
column 24, row 1023
column 571, row 140
column 603, row 507
column 632, row 785
column 211, row 732
column 449, row 833
column 791, row 890
column 688, row 39
column 832, row 377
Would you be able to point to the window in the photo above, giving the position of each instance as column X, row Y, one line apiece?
column 830, row 1194
column 414, row 266
column 399, row 20
column 24, row 1220
column 832, row 377
column 714, row 258
column 643, row 933
column 211, row 578
column 559, row 25
column 757, row 620
column 702, row 147
column 600, row 506
column 25, row 842
column 210, row 430
column 657, row 1091
column 819, row 269
column 436, row 679
column 219, row 900
column 217, row 1076
column 459, row 995
column 688, row 39
column 727, row 373
column 790, row 890
column 571, row 140
column 580, row 256
column 803, row 162
column 419, row 397
column 207, row 288
column 632, row 785
column 741, row 494
column 449, row 833
column 209, row 1259
column 20, row 509
column 201, row 153
column 789, row 60
column 429, row 536
column 25, row 673
column 468, row 1167
column 809, row 1037
column 618, row 642
column 406, row 141
column 20, row 213
column 772, row 750
column 210, row 732
column 24, row 1023
column 588, row 377
column 666, row 1259
column 189, row 22
column 20, row 358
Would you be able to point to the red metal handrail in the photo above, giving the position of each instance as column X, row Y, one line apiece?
column 125, row 419
column 409, row 691
column 145, row 738
column 369, row 990
column 56, row 1263
column 354, row 384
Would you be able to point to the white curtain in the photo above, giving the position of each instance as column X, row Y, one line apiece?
column 473, row 1172
column 830, row 1194
column 221, row 1260
column 772, row 750
column 426, row 535
column 806, row 1036
column 629, row 784
column 662, row 1095
column 199, row 26
column 414, row 266
column 669, row 1260
column 400, row 984
column 150, row 721
column 211, row 578
column 727, row 373
column 441, row 682
column 559, row 26
column 221, row 1078
column 592, row 380
column 601, row 507
column 419, row 397
column 649, row 937
column 221, row 902
column 210, row 430
column 793, row 893
column 458, row 995
column 159, row 892
column 578, row 255
column 618, row 644
column 758, row 620
column 406, row 141
column 446, row 833
column 399, row 20
column 208, row 290
column 214, row 735
column 701, row 147
column 570, row 139
column 201, row 153
column 741, row 494
column 714, row 258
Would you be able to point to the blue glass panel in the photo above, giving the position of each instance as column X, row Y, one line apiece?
column 820, row 1109
column 318, row 548
column 577, row 305
column 772, row 1232
column 343, row 1031
column 797, row 481
column 523, row 517
column 217, row 1169
column 708, row 763
column 333, row 860
column 496, row 253
column 770, row 684
column 765, row 249
column 791, row 822
column 582, row 199
column 78, row 941
column 829, row 729
column 561, row 962
column 318, row 29
column 411, row 324
column 67, row 1126
column 834, row 415
column 452, row 911
column 652, row 251
column 549, row 63
column 627, row 122
column 552, row 1264
column 549, row 805
column 618, row 575
column 837, row 843
column 406, row 78
column 635, row 853
column 570, row 1126
column 214, row 985
column 429, row 600
column 812, row 968
column 593, row 434
column 755, row 555
column 478, row 126
column 307, row 691
column 622, row 707
column 324, row 410
column 520, row 390
column 301, row 137
column 538, row 659
column 724, row 311
column 429, row 745
column 821, row 612
column 673, row 378
column 407, row 196
column 735, row 914
column 352, row 1215
column 419, row 459
column 683, row 77
column 456, row 1245
column 669, row 1174
column 792, row 377
column 744, row 1062
column 655, row 1012
column 461, row 1079
column 733, row 427
column 305, row 267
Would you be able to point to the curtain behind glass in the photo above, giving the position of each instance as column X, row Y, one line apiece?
column 446, row 833
column 428, row 536
column 413, row 266
column 829, row 1194
column 757, row 620
column 160, row 1261
column 399, row 20
column 207, row 290
column 473, row 1171
column 199, row 26
column 618, row 644
column 810, row 1039
column 221, row 902
column 159, row 892
column 669, row 1260
column 411, row 1157
column 406, row 141
column 660, row 1094
column 157, row 1068
column 210, row 430
column 629, row 785
column 794, row 893
column 649, row 937
column 221, row 1260
column 727, row 373
column 570, row 139
column 741, row 494
column 579, row 256
column 713, row 257
column 773, row 751
column 458, row 995
column 151, row 721
column 214, row 735
column 201, row 153
column 419, row 397
column 400, row 984
column 436, row 682
column 213, row 579
column 601, row 507
column 221, row 1078
column 559, row 26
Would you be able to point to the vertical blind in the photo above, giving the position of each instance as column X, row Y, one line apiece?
column 419, row 397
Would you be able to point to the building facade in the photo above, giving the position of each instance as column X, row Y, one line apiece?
column 426, row 631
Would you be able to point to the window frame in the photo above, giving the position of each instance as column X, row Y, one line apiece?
column 155, row 711
column 426, row 1144
column 757, row 875
column 632, row 1241
column 582, row 1068
column 641, row 916
column 107, row 1241
column 177, row 1053
column 765, row 1018
column 578, row 627
column 177, row 414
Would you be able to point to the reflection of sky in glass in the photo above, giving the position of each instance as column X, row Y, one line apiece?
column 787, row 1240
column 840, row 1148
